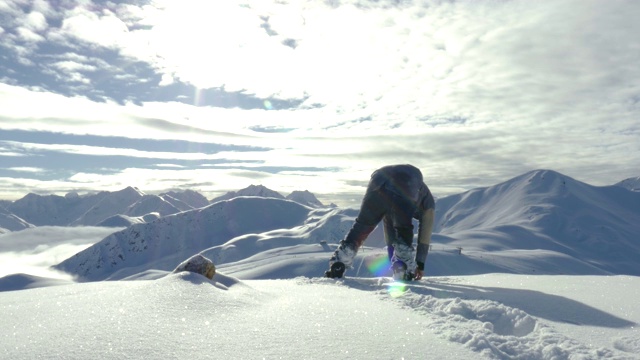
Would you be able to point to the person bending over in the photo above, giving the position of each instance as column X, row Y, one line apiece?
column 395, row 195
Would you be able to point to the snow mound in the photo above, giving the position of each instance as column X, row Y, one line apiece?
column 220, row 281
column 25, row 281
column 627, row 344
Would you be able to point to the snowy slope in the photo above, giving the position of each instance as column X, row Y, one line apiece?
column 152, row 203
column 329, row 225
column 11, row 222
column 187, row 316
column 164, row 243
column 547, row 210
column 121, row 221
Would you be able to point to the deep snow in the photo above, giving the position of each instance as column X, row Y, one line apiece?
column 496, row 316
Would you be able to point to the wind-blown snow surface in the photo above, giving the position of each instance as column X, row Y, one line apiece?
column 185, row 315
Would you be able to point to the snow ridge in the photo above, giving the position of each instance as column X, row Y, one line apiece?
column 632, row 184
column 89, row 210
column 165, row 242
column 252, row 190
column 306, row 198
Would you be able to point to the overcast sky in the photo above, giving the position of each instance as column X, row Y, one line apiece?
column 314, row 95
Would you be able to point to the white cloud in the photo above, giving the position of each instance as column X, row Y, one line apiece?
column 106, row 151
column 36, row 21
column 43, row 7
column 33, row 251
column 29, row 35
column 4, row 151
column 175, row 166
column 104, row 28
column 27, row 169
column 10, row 7
column 465, row 90
column 72, row 66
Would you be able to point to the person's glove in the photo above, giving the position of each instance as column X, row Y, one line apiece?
column 418, row 274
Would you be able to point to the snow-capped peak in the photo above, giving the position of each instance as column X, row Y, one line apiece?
column 252, row 190
column 632, row 184
column 305, row 197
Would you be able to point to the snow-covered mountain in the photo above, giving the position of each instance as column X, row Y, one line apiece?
column 11, row 222
column 547, row 210
column 190, row 197
column 632, row 184
column 163, row 243
column 88, row 210
column 252, row 190
column 110, row 203
column 516, row 226
column 121, row 221
column 306, row 198
column 302, row 197
column 126, row 206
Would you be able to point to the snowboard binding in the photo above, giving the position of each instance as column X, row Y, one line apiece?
column 400, row 272
column 336, row 271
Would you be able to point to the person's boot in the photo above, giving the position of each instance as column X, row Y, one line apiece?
column 400, row 272
column 336, row 271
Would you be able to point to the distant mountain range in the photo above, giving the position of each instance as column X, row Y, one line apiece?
column 302, row 197
column 120, row 208
column 539, row 222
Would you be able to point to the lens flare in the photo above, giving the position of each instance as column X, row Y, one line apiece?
column 396, row 289
column 268, row 105
column 378, row 266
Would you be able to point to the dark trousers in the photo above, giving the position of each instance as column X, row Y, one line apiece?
column 380, row 204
